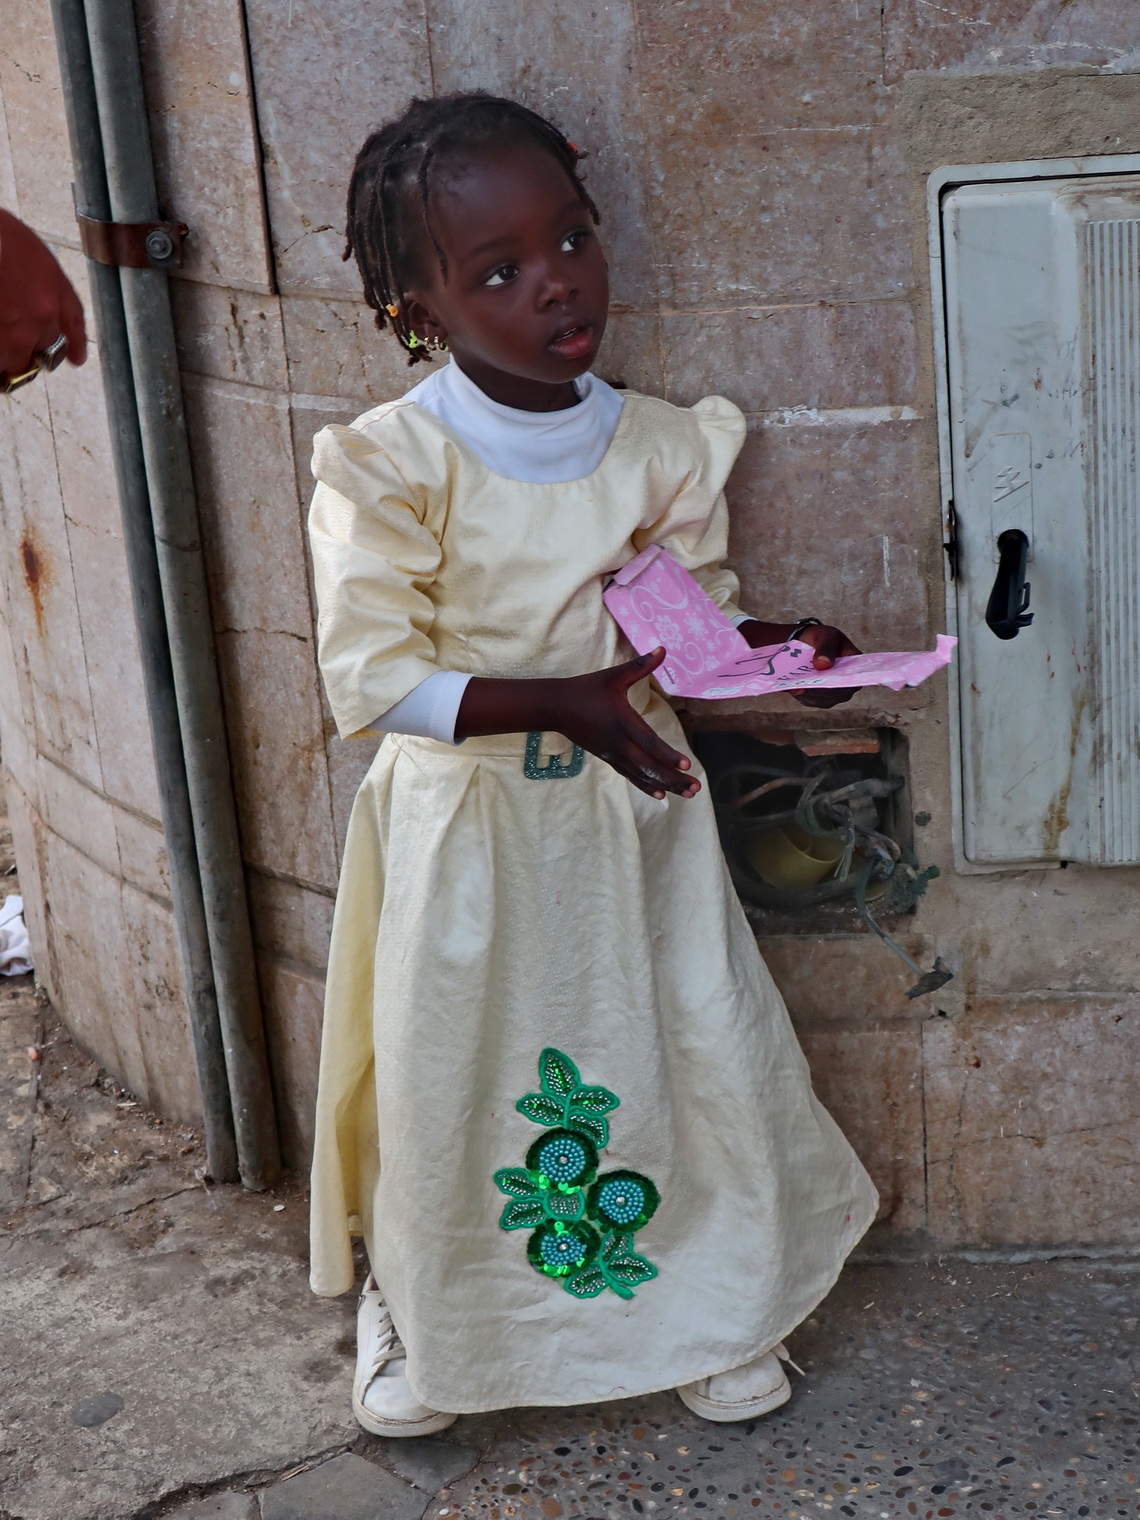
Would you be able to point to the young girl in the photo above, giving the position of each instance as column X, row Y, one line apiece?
column 559, row 1094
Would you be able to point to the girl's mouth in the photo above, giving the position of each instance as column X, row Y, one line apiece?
column 573, row 342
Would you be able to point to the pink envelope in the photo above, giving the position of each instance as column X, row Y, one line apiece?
column 657, row 602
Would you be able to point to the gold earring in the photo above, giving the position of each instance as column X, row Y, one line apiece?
column 438, row 345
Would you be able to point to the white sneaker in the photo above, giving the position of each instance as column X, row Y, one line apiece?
column 744, row 1392
column 382, row 1399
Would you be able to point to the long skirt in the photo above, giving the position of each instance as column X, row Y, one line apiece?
column 560, row 1095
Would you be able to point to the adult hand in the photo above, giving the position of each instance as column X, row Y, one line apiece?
column 37, row 301
column 829, row 644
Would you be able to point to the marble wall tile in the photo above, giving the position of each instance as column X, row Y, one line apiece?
column 859, row 354
column 1006, row 34
column 324, row 76
column 632, row 353
column 243, row 469
column 849, row 978
column 335, row 349
column 349, row 761
column 291, row 921
column 73, row 406
column 870, row 1081
column 1032, row 1125
column 114, row 670
column 761, row 359
column 75, row 412
column 840, row 518
column 37, row 130
column 1029, row 932
column 277, row 751
column 9, row 195
column 747, row 218
column 157, row 1005
column 40, row 595
column 78, row 815
column 16, row 721
column 307, row 415
column 870, row 354
column 142, row 855
column 712, row 65
column 229, row 334
column 575, row 68
column 83, row 908
column 293, row 1000
column 207, row 158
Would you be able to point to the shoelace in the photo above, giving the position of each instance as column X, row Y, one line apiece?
column 781, row 1351
column 387, row 1346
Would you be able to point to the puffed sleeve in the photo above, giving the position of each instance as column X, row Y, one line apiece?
column 374, row 559
column 694, row 526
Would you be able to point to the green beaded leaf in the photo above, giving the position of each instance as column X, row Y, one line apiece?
column 522, row 1214
column 630, row 1270
column 590, row 1124
column 587, row 1284
column 565, row 1206
column 594, row 1100
column 541, row 1108
column 516, row 1182
column 616, row 1243
column 557, row 1073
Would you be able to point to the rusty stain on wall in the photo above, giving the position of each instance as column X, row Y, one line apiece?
column 36, row 574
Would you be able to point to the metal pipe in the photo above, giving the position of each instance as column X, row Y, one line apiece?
column 146, row 597
column 117, row 73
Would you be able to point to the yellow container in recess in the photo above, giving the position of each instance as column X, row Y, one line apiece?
column 790, row 858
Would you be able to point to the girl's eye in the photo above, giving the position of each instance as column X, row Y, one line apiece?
column 574, row 240
column 503, row 275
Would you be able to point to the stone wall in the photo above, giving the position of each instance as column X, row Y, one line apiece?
column 761, row 173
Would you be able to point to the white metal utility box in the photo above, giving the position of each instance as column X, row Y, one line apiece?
column 1037, row 313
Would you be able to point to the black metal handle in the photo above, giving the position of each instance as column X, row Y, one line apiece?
column 1007, row 609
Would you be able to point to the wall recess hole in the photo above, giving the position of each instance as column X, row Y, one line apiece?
column 811, row 823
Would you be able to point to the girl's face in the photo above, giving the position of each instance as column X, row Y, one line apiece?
column 524, row 304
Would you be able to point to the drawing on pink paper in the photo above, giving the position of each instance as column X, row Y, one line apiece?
column 657, row 602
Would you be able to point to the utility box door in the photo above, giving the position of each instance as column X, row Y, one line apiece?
column 1042, row 285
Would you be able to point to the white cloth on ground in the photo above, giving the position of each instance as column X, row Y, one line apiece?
column 15, row 949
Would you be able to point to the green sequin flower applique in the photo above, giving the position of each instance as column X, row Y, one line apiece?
column 583, row 1224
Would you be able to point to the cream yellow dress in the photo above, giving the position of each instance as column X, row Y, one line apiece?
column 559, row 1093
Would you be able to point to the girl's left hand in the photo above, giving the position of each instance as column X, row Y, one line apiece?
column 829, row 644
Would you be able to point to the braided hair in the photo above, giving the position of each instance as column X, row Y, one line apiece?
column 391, row 187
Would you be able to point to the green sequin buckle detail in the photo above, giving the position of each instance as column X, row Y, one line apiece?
column 583, row 1223
column 553, row 770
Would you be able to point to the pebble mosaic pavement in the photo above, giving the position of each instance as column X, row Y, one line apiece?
column 961, row 1390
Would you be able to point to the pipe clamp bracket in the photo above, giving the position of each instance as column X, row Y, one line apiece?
column 132, row 245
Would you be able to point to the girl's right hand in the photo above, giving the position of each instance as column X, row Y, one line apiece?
column 594, row 711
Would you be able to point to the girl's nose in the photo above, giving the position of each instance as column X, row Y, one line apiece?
column 555, row 287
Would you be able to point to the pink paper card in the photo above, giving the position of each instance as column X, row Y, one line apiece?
column 657, row 602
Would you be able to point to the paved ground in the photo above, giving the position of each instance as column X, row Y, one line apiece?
column 160, row 1355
